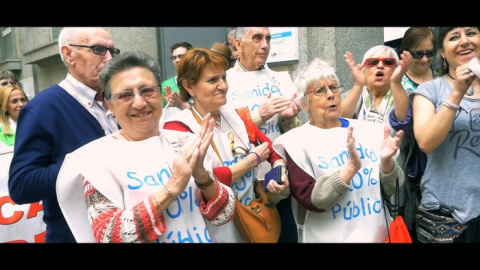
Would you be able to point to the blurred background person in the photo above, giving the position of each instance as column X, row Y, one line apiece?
column 230, row 42
column 12, row 100
column 335, row 201
column 118, row 207
column 60, row 119
column 169, row 86
column 8, row 78
column 446, row 129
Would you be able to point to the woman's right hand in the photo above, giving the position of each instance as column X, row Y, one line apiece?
column 262, row 150
column 463, row 80
column 355, row 69
column 354, row 163
column 183, row 164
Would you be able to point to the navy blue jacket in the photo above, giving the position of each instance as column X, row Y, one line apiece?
column 50, row 126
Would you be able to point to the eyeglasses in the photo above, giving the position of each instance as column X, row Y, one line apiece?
column 145, row 93
column 388, row 62
column 99, row 49
column 16, row 100
column 234, row 149
column 420, row 54
column 5, row 83
column 322, row 90
column 173, row 57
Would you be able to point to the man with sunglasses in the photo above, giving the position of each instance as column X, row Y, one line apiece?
column 59, row 120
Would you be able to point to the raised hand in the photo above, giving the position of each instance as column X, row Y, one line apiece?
column 390, row 145
column 355, row 69
column 354, row 163
column 403, row 65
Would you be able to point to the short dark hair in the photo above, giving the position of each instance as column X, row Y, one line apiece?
column 183, row 44
column 125, row 61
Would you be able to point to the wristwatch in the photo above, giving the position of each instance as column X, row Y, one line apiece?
column 211, row 179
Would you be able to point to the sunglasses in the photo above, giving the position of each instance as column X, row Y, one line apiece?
column 5, row 83
column 173, row 57
column 420, row 54
column 99, row 49
column 388, row 62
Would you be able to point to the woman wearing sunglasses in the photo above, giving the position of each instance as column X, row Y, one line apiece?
column 202, row 82
column 447, row 129
column 336, row 165
column 420, row 42
column 377, row 87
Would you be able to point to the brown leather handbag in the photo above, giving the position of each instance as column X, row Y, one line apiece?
column 259, row 222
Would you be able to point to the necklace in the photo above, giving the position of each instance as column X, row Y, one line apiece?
column 217, row 122
column 470, row 90
column 233, row 130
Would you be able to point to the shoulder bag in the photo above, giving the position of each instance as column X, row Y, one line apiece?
column 259, row 221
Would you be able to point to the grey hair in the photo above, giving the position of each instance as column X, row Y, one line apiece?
column 125, row 61
column 64, row 38
column 380, row 49
column 240, row 32
column 67, row 35
column 317, row 70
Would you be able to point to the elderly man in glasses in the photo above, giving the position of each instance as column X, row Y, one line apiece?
column 59, row 120
column 270, row 97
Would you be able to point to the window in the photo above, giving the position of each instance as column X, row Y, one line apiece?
column 55, row 32
column 6, row 43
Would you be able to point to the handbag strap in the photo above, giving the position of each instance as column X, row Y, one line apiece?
column 212, row 143
column 397, row 200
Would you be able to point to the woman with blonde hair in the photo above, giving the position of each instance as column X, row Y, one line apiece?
column 12, row 100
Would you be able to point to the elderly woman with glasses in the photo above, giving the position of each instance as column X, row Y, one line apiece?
column 336, row 165
column 238, row 145
column 142, row 184
column 12, row 100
